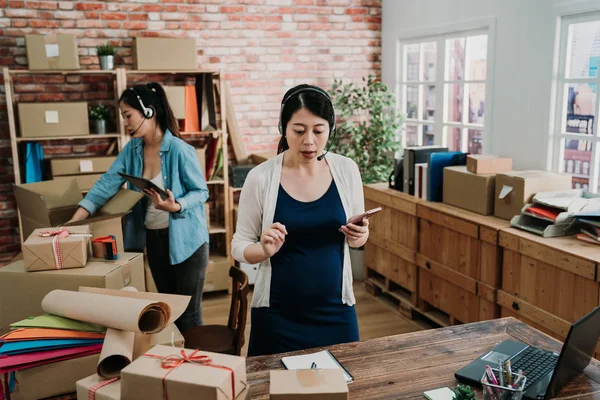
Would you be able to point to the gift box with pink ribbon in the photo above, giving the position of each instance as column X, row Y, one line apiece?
column 164, row 373
column 57, row 248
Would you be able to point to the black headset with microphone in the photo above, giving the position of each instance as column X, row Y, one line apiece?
column 323, row 93
column 147, row 112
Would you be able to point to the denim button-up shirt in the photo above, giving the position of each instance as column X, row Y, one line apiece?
column 182, row 174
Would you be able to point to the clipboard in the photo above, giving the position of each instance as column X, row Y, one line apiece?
column 143, row 184
column 321, row 360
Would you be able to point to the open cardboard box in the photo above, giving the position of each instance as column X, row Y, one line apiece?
column 52, row 203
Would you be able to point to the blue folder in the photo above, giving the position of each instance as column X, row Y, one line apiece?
column 437, row 163
column 27, row 346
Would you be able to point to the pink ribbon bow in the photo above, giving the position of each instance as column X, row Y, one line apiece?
column 56, row 235
column 173, row 361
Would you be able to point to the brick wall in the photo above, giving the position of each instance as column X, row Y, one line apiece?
column 263, row 46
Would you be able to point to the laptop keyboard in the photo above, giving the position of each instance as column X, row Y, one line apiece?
column 536, row 363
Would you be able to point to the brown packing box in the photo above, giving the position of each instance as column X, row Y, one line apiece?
column 217, row 274
column 176, row 97
column 85, row 182
column 112, row 391
column 80, row 165
column 60, row 377
column 52, row 51
column 175, row 54
column 488, row 164
column 53, row 119
column 143, row 378
column 52, row 203
column 469, row 191
column 308, row 384
column 515, row 189
column 21, row 292
column 258, row 158
column 39, row 253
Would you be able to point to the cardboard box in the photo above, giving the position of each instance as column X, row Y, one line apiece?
column 39, row 253
column 217, row 274
column 112, row 391
column 207, row 215
column 201, row 152
column 52, row 203
column 143, row 378
column 58, row 378
column 85, row 182
column 77, row 165
column 53, row 119
column 469, row 191
column 488, row 164
column 21, row 292
column 308, row 384
column 52, row 52
column 258, row 158
column 176, row 54
column 515, row 189
column 176, row 97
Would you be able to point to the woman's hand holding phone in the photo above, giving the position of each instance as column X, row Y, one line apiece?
column 273, row 238
column 357, row 228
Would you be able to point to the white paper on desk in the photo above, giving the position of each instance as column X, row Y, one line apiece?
column 323, row 359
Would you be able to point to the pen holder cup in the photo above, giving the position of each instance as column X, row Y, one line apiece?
column 497, row 392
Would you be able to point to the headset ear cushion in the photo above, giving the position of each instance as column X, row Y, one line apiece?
column 149, row 112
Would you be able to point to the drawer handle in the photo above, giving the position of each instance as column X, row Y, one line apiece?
column 428, row 265
column 515, row 306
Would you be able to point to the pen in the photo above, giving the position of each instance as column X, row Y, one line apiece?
column 508, row 372
column 501, row 373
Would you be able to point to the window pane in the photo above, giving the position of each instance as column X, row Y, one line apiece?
column 455, row 59
column 476, row 103
column 412, row 99
column 412, row 135
column 583, row 52
column 476, row 57
column 428, row 135
column 454, row 103
column 411, row 62
column 475, row 141
column 428, row 102
column 453, row 138
column 581, row 105
column 429, row 59
column 577, row 161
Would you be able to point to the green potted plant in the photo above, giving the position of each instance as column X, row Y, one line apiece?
column 99, row 113
column 463, row 392
column 367, row 134
column 106, row 54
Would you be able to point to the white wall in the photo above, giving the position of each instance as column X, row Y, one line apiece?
column 522, row 67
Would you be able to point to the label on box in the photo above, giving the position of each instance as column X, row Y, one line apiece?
column 51, row 117
column 86, row 166
column 505, row 191
column 126, row 270
column 52, row 50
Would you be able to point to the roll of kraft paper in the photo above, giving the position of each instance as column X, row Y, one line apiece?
column 127, row 314
column 117, row 350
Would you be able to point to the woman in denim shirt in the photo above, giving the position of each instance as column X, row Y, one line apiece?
column 174, row 230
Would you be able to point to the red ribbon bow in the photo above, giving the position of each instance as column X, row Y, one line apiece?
column 56, row 235
column 175, row 360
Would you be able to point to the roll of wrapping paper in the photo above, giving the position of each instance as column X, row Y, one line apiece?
column 117, row 350
column 127, row 314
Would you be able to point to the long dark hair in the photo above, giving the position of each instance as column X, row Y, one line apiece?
column 152, row 95
column 317, row 101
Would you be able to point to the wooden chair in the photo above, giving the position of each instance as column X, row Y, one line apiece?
column 226, row 339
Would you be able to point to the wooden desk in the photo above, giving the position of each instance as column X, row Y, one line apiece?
column 404, row 366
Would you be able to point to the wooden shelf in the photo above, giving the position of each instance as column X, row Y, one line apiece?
column 216, row 182
column 190, row 71
column 202, row 133
column 63, row 72
column 216, row 228
column 92, row 136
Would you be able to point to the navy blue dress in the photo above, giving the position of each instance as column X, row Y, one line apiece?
column 306, row 308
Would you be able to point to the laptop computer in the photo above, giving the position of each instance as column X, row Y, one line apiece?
column 547, row 372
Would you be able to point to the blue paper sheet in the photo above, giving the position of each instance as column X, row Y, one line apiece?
column 28, row 346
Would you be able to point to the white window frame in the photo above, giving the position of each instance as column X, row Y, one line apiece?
column 440, row 34
column 556, row 161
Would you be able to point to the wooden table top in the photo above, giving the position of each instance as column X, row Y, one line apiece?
column 404, row 366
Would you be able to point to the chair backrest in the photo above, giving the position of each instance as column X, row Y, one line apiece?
column 238, row 311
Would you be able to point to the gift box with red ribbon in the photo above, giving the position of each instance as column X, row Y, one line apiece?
column 57, row 248
column 164, row 373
